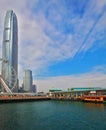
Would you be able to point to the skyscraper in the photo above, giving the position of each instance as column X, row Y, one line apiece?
column 34, row 89
column 10, row 50
column 27, row 80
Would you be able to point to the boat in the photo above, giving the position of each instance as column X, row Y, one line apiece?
column 96, row 99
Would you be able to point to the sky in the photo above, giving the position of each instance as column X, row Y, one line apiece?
column 63, row 42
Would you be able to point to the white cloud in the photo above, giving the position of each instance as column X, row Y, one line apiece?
column 65, row 82
column 40, row 42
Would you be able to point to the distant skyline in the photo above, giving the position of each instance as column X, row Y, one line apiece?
column 63, row 42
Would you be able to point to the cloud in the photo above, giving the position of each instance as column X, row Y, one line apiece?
column 53, row 31
column 101, row 69
column 91, row 79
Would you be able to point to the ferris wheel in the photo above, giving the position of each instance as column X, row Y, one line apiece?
column 11, row 79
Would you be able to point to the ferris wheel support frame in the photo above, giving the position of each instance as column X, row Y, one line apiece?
column 13, row 84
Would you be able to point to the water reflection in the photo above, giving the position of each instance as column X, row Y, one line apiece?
column 100, row 106
column 53, row 115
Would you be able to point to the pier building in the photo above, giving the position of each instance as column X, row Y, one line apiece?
column 77, row 93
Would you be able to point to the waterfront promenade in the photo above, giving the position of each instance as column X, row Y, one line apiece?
column 5, row 98
column 25, row 98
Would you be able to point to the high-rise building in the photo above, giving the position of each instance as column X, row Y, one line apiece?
column 27, row 80
column 34, row 89
column 10, row 50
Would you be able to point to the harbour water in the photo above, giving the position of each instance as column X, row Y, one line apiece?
column 52, row 115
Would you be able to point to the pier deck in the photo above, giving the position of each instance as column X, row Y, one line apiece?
column 4, row 99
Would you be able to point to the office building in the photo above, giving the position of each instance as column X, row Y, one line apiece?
column 27, row 80
column 10, row 51
column 34, row 89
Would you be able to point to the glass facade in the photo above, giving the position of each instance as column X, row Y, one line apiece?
column 34, row 88
column 27, row 80
column 10, row 49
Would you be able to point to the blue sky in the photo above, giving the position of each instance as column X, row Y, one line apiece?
column 62, row 41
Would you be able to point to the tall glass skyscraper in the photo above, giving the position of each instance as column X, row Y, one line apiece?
column 10, row 49
column 27, row 80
